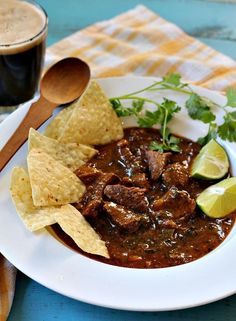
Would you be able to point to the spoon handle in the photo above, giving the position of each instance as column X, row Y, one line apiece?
column 37, row 114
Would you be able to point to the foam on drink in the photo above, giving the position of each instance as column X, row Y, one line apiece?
column 22, row 26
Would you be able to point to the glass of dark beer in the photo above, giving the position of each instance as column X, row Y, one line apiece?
column 23, row 31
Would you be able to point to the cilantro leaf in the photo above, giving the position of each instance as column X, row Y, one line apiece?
column 171, row 107
column 137, row 105
column 173, row 140
column 151, row 118
column 231, row 97
column 122, row 111
column 154, row 145
column 172, row 144
column 172, row 79
column 174, row 148
column 198, row 108
column 212, row 134
column 227, row 131
column 169, row 142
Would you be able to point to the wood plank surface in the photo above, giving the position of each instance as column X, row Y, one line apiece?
column 211, row 21
column 34, row 302
column 224, row 1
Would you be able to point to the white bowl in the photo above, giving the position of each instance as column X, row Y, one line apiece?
column 47, row 261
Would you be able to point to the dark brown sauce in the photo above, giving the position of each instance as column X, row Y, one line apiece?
column 154, row 245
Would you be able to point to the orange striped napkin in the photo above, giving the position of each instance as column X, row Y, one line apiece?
column 142, row 43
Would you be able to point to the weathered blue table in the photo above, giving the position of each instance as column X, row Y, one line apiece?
column 213, row 22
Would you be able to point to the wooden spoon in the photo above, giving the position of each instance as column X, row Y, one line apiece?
column 62, row 83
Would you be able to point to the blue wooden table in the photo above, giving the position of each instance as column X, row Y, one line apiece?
column 213, row 22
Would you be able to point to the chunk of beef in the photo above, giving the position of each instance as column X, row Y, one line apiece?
column 178, row 203
column 92, row 199
column 92, row 208
column 132, row 163
column 176, row 175
column 122, row 217
column 139, row 180
column 87, row 174
column 96, row 190
column 157, row 162
column 131, row 197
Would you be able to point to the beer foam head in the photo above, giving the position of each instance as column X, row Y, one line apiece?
column 20, row 22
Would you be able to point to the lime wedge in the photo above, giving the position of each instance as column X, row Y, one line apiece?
column 211, row 163
column 219, row 200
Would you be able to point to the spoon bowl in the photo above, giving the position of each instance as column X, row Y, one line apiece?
column 65, row 81
column 62, row 83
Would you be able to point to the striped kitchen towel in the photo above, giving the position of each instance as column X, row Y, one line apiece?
column 142, row 43
column 136, row 42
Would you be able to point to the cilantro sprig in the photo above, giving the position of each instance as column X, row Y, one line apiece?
column 198, row 107
column 227, row 130
column 170, row 143
column 162, row 116
column 145, row 118
column 122, row 111
column 211, row 134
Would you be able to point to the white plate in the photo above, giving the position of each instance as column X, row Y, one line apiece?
column 47, row 261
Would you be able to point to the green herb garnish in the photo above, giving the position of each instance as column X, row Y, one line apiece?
column 231, row 97
column 198, row 107
column 162, row 116
column 170, row 143
column 211, row 134
column 227, row 131
column 121, row 111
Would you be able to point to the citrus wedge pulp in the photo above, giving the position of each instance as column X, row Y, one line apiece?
column 211, row 162
column 219, row 200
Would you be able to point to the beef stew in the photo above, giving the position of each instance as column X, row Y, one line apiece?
column 143, row 204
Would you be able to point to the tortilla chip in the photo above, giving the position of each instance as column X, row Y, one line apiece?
column 93, row 121
column 51, row 182
column 33, row 217
column 75, row 225
column 70, row 155
column 57, row 125
column 70, row 220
